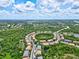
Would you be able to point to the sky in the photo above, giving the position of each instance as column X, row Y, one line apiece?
column 39, row 9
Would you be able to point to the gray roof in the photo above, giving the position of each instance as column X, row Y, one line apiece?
column 26, row 53
column 40, row 57
column 66, row 40
column 39, row 47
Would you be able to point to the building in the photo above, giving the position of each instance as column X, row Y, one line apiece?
column 76, row 42
column 29, row 44
column 39, row 47
column 38, row 50
column 51, row 40
column 29, row 47
column 61, row 36
column 51, row 43
column 33, row 36
column 26, row 54
column 77, row 46
column 39, row 57
column 45, row 43
column 38, row 53
column 42, row 41
column 27, row 41
column 71, row 44
column 68, row 41
column 76, row 35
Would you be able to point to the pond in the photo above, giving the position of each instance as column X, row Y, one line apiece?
column 76, row 35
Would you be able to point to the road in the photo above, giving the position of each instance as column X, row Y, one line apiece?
column 32, row 56
column 63, row 29
column 57, row 36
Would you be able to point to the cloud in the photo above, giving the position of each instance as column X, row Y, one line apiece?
column 5, row 3
column 52, row 6
column 28, row 6
column 48, row 6
column 75, row 7
column 41, row 8
column 5, row 13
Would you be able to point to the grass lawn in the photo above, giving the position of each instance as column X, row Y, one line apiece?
column 44, row 36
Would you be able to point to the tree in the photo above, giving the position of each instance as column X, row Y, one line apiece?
column 8, row 56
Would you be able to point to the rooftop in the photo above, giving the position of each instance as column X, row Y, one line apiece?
column 40, row 57
column 26, row 53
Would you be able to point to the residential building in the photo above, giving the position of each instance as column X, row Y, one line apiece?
column 26, row 54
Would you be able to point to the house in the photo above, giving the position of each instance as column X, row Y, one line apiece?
column 61, row 36
column 29, row 47
column 42, row 41
column 33, row 36
column 38, row 50
column 69, row 34
column 27, row 41
column 29, row 44
column 51, row 40
column 71, row 44
column 76, row 42
column 26, row 54
column 51, row 43
column 38, row 53
column 40, row 57
column 77, row 46
column 45, row 43
column 76, row 35
column 68, row 41
column 39, row 47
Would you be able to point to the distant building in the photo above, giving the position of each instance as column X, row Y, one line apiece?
column 71, row 44
column 76, row 35
column 68, row 33
column 76, row 42
column 77, row 46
